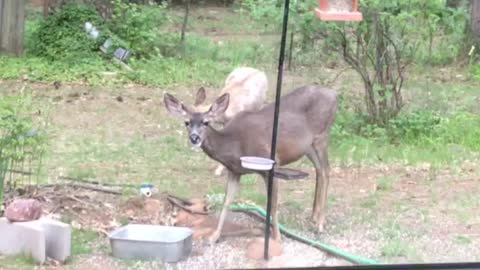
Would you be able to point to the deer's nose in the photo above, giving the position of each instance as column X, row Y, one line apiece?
column 194, row 139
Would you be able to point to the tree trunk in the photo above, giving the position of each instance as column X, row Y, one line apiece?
column 475, row 16
column 12, row 20
column 185, row 21
column 454, row 3
column 290, row 50
column 45, row 8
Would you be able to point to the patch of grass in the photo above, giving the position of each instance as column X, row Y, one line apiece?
column 295, row 205
column 463, row 240
column 19, row 262
column 385, row 183
column 249, row 180
column 369, row 202
column 394, row 248
column 83, row 241
column 252, row 194
column 82, row 173
column 40, row 69
column 464, row 205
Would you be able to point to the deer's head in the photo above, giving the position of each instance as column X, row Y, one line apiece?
column 196, row 122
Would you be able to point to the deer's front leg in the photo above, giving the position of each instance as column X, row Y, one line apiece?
column 233, row 183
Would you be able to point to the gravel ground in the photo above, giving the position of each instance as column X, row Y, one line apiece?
column 228, row 253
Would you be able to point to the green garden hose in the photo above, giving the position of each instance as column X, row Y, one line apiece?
column 287, row 232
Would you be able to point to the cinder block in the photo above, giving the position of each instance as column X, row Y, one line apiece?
column 39, row 238
column 22, row 238
column 58, row 236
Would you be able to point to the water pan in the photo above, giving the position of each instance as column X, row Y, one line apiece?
column 150, row 242
column 257, row 163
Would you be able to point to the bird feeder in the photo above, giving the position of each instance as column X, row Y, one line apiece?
column 338, row 10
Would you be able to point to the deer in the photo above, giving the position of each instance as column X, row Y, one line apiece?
column 306, row 116
column 247, row 88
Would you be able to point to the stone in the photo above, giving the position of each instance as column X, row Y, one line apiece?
column 21, row 210
column 256, row 247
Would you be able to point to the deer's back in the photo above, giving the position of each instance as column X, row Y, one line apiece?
column 305, row 114
column 247, row 88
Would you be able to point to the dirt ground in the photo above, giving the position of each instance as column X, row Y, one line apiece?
column 391, row 213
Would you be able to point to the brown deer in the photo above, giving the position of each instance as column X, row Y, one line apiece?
column 306, row 116
column 247, row 88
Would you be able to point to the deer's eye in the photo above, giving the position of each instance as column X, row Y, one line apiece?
column 205, row 123
column 187, row 123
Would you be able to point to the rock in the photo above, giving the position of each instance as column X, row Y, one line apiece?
column 23, row 210
column 202, row 233
column 198, row 205
column 184, row 219
column 153, row 206
column 255, row 248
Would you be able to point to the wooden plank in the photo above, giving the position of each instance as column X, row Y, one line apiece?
column 12, row 22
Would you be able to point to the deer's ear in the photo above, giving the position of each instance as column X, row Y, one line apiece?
column 175, row 107
column 201, row 96
column 219, row 106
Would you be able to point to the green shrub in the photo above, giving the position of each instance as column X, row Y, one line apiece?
column 138, row 26
column 412, row 126
column 20, row 139
column 62, row 35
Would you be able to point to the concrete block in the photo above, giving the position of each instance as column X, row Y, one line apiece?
column 39, row 238
column 22, row 238
column 58, row 236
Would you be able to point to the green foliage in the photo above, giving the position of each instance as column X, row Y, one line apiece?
column 475, row 71
column 20, row 139
column 83, row 241
column 409, row 127
column 412, row 137
column 62, row 35
column 138, row 26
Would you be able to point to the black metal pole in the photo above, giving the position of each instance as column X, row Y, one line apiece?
column 275, row 124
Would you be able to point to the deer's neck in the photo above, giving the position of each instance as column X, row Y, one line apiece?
column 218, row 146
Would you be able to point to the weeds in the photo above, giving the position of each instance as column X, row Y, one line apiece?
column 22, row 143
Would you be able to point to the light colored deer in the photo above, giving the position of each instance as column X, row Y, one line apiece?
column 306, row 115
column 247, row 88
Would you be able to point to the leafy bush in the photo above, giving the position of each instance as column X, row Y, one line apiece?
column 20, row 140
column 418, row 128
column 138, row 26
column 410, row 127
column 62, row 35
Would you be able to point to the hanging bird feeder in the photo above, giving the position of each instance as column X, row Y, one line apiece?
column 338, row 10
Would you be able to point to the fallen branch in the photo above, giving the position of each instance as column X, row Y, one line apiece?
column 85, row 186
column 95, row 182
column 184, row 204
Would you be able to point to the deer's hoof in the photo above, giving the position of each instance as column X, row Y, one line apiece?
column 321, row 227
column 218, row 171
column 214, row 238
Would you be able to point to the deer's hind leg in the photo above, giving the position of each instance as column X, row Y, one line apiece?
column 318, row 154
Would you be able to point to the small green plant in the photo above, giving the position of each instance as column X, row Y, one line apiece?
column 21, row 142
column 394, row 248
column 463, row 240
column 385, row 183
column 82, row 241
column 369, row 202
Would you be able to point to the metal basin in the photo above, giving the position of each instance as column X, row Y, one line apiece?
column 150, row 242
